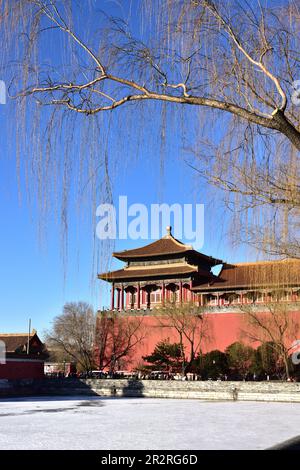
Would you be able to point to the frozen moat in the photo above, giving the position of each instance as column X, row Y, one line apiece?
column 144, row 423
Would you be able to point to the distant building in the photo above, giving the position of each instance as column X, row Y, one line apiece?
column 25, row 356
column 59, row 369
column 169, row 270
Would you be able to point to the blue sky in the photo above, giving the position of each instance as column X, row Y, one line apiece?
column 34, row 282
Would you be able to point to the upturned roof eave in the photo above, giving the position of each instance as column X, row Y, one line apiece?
column 116, row 276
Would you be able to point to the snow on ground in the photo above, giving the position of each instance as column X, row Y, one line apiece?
column 143, row 423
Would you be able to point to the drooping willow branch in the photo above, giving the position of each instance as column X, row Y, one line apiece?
column 84, row 98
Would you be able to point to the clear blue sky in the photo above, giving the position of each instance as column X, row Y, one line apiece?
column 34, row 283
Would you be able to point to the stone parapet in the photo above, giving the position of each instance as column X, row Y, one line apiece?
column 200, row 390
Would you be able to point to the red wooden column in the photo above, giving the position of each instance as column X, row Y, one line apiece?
column 191, row 292
column 118, row 299
column 138, row 293
column 112, row 304
column 122, row 297
column 163, row 292
column 180, row 292
column 148, row 297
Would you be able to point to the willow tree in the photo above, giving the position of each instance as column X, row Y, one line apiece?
column 230, row 68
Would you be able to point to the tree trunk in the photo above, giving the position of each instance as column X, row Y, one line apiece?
column 287, row 128
column 286, row 366
column 183, row 367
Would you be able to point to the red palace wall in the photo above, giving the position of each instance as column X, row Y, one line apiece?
column 22, row 369
column 222, row 329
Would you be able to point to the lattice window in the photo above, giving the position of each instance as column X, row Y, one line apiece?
column 155, row 296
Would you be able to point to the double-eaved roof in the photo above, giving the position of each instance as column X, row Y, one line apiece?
column 183, row 261
column 169, row 258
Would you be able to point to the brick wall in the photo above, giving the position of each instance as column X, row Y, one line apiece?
column 22, row 369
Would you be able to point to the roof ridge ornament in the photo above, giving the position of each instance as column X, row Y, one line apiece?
column 169, row 230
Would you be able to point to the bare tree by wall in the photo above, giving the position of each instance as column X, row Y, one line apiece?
column 191, row 327
column 229, row 69
column 117, row 337
column 276, row 325
column 73, row 333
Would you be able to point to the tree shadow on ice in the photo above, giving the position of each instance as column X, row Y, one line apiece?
column 62, row 389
